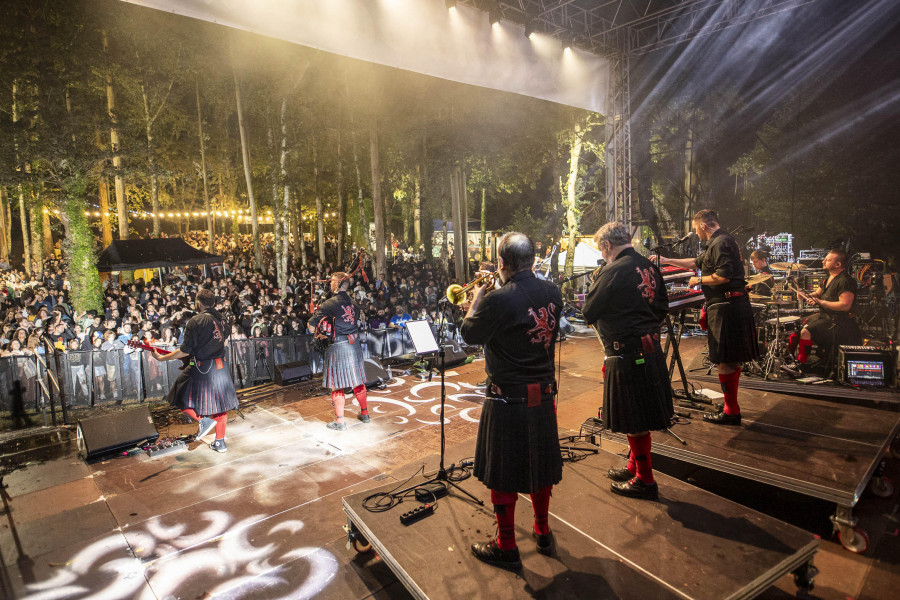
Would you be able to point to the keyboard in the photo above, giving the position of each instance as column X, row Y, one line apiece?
column 683, row 300
column 671, row 274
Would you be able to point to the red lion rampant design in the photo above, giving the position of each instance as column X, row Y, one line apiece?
column 544, row 322
column 648, row 283
column 348, row 315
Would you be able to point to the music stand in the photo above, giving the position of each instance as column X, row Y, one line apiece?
column 426, row 347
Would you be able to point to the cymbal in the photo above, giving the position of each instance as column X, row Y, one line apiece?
column 758, row 278
column 759, row 297
column 774, row 302
column 786, row 266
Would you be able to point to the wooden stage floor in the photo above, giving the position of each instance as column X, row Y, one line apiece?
column 265, row 520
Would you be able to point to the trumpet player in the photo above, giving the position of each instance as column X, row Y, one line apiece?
column 517, row 448
column 628, row 301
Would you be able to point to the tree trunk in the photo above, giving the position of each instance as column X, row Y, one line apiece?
column 483, row 224
column 26, row 239
column 245, row 154
column 342, row 204
column 320, row 216
column 285, row 207
column 4, row 226
column 363, row 222
column 417, row 211
column 210, row 221
column 464, row 220
column 151, row 163
column 121, row 208
column 7, row 208
column 105, row 226
column 377, row 203
column 571, row 199
column 459, row 247
column 34, row 215
column 48, row 233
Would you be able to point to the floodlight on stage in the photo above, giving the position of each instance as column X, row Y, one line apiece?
column 450, row 4
column 529, row 30
column 494, row 16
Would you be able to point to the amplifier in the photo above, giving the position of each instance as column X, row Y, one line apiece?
column 116, row 431
column 867, row 365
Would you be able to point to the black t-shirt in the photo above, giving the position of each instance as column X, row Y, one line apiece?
column 341, row 309
column 722, row 257
column 205, row 335
column 832, row 288
column 518, row 325
column 628, row 299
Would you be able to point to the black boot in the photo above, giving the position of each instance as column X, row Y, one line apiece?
column 490, row 553
column 622, row 474
column 635, row 488
column 544, row 542
column 722, row 418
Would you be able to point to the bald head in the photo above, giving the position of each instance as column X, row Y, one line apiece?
column 516, row 252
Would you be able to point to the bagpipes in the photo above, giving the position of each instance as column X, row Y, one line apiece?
column 324, row 335
column 358, row 260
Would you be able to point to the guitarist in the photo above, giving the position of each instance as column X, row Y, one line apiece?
column 204, row 391
column 833, row 325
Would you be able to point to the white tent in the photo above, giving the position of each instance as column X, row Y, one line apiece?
column 586, row 257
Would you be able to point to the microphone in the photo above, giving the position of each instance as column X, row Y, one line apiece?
column 685, row 238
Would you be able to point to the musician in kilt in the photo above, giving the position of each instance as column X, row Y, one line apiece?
column 834, row 324
column 344, row 369
column 628, row 301
column 204, row 391
column 517, row 448
column 731, row 331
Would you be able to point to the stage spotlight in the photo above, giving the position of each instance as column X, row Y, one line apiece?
column 529, row 30
column 567, row 42
column 494, row 16
column 450, row 4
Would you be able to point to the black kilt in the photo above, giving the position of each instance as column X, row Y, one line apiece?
column 731, row 331
column 205, row 387
column 344, row 365
column 830, row 332
column 637, row 397
column 517, row 449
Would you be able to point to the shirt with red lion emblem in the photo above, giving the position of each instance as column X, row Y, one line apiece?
column 518, row 326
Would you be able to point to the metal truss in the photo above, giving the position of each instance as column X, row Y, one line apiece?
column 619, row 182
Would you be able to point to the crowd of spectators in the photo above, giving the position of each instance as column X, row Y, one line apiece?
column 37, row 313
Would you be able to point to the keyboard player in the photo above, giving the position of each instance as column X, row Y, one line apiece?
column 729, row 316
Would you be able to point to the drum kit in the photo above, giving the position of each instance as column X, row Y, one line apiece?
column 774, row 330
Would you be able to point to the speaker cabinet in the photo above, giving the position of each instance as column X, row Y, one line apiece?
column 453, row 356
column 291, row 373
column 117, row 431
column 375, row 373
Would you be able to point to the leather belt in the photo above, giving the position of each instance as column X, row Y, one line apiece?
column 645, row 344
column 531, row 393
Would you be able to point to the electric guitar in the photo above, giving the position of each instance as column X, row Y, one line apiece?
column 185, row 360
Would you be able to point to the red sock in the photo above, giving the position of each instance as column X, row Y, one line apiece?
column 221, row 420
column 540, row 500
column 190, row 412
column 631, row 465
column 505, row 509
column 360, row 393
column 729, row 384
column 803, row 353
column 792, row 343
column 640, row 450
column 337, row 400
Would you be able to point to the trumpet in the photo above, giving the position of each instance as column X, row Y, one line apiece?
column 456, row 293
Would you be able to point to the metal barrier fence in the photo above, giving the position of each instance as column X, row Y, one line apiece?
column 40, row 389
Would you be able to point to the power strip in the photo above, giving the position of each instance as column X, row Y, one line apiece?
column 415, row 514
column 157, row 450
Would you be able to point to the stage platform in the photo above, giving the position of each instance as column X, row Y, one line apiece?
column 814, row 447
column 691, row 544
column 877, row 397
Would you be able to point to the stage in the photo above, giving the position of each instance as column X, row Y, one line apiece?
column 690, row 544
column 268, row 515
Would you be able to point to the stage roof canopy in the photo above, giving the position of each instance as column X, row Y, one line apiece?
column 129, row 255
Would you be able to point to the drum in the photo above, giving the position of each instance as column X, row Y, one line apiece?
column 759, row 319
column 789, row 324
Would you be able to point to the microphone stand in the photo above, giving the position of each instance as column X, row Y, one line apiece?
column 443, row 474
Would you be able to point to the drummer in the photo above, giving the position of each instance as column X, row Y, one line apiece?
column 760, row 261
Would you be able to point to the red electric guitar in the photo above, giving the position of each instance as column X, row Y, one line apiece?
column 185, row 360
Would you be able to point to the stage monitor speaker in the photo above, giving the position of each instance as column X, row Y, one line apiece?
column 117, row 431
column 291, row 373
column 375, row 373
column 453, row 355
